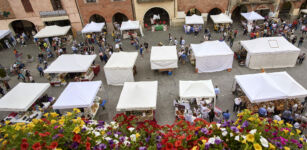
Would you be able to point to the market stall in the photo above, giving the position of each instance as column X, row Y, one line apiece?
column 93, row 27
column 211, row 56
column 269, row 52
column 139, row 99
column 192, row 22
column 82, row 95
column 163, row 58
column 26, row 102
column 129, row 28
column 4, row 38
column 220, row 20
column 121, row 68
column 52, row 31
column 304, row 11
column 251, row 17
column 262, row 88
column 72, row 66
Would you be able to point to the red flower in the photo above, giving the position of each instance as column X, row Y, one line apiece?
column 37, row 146
column 189, row 137
column 169, row 146
column 60, row 135
column 53, row 145
column 47, row 133
column 42, row 134
column 24, row 140
column 24, row 146
column 77, row 138
column 178, row 143
column 88, row 145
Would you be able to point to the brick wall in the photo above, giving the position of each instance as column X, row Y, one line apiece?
column 204, row 6
column 5, row 6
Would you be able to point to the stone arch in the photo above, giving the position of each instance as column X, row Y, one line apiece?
column 190, row 12
column 164, row 15
column 96, row 18
column 119, row 17
column 285, row 9
column 214, row 11
column 19, row 26
column 236, row 12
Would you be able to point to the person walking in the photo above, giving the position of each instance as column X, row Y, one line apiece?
column 6, row 85
column 211, row 115
column 141, row 50
column 226, row 115
column 235, row 33
column 1, row 91
column 231, row 41
column 217, row 91
column 20, row 75
column 237, row 104
column 40, row 70
column 300, row 42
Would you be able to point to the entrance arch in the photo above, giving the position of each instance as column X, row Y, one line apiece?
column 236, row 13
column 285, row 10
column 97, row 18
column 164, row 16
column 214, row 11
column 193, row 11
column 20, row 26
column 119, row 18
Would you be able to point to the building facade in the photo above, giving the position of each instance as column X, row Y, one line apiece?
column 28, row 15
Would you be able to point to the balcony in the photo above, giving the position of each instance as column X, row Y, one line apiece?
column 148, row 1
column 256, row 1
column 55, row 13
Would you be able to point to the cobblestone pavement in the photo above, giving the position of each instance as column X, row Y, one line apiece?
column 168, row 88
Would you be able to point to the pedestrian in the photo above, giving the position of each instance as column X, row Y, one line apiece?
column 146, row 46
column 211, row 115
column 7, row 86
column 1, row 91
column 235, row 33
column 101, row 56
column 40, row 70
column 217, row 91
column 237, row 104
column 226, row 115
column 175, row 42
column 300, row 42
column 301, row 58
column 170, row 38
column 231, row 41
column 141, row 50
column 20, row 75
column 27, row 74
column 245, row 31
column 45, row 64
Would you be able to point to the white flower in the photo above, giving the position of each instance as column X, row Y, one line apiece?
column 224, row 133
column 264, row 142
column 112, row 123
column 115, row 126
column 211, row 140
column 133, row 137
column 244, row 137
column 253, row 131
column 223, row 129
column 93, row 122
column 130, row 129
column 126, row 143
column 231, row 135
column 237, row 138
column 218, row 125
column 116, row 142
column 98, row 142
column 96, row 133
column 116, row 135
column 108, row 138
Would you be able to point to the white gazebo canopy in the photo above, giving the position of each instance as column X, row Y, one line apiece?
column 93, row 27
column 163, row 57
column 304, row 11
column 22, row 96
column 4, row 33
column 212, row 56
column 138, row 96
column 221, row 18
column 71, row 63
column 264, row 87
column 251, row 16
column 78, row 95
column 194, row 19
column 196, row 89
column 52, row 31
column 131, row 25
column 119, row 68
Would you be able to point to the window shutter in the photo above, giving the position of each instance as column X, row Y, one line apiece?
column 27, row 5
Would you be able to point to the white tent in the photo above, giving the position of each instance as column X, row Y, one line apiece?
column 138, row 96
column 221, row 18
column 52, row 31
column 71, row 63
column 212, row 56
column 131, row 25
column 304, row 11
column 194, row 19
column 4, row 33
column 196, row 89
column 78, row 95
column 163, row 57
column 22, row 96
column 93, row 27
column 264, row 87
column 270, row 52
column 252, row 16
column 119, row 68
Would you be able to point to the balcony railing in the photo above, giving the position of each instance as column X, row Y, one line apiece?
column 148, row 1
column 52, row 13
column 256, row 1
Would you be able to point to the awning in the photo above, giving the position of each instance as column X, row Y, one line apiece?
column 4, row 33
column 196, row 89
column 52, row 31
column 93, row 27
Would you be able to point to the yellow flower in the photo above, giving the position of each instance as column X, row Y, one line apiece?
column 4, row 142
column 6, row 135
column 239, row 127
column 250, row 138
column 286, row 131
column 54, row 114
column 194, row 148
column 291, row 133
column 275, row 121
column 286, row 148
column 35, row 121
column 7, row 122
column 76, row 130
column 53, row 121
column 301, row 139
column 79, row 119
column 298, row 131
column 102, row 132
column 1, row 139
column 17, row 128
column 137, row 135
column 244, row 141
column 61, row 121
column 240, row 114
column 58, row 149
column 204, row 141
column 68, row 114
column 257, row 146
column 289, row 125
column 76, row 110
column 272, row 147
column 281, row 122
column 31, row 125
column 46, row 114
column 251, row 118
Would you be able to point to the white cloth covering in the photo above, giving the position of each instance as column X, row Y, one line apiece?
column 304, row 11
column 251, row 16
column 270, row 52
column 264, row 87
column 71, row 63
column 138, row 96
column 131, row 25
column 221, row 18
column 119, row 68
column 78, row 95
column 4, row 33
column 93, row 27
column 52, row 31
column 212, row 56
column 196, row 89
column 22, row 96
column 163, row 57
column 194, row 19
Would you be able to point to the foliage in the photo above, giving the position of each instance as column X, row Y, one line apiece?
column 2, row 73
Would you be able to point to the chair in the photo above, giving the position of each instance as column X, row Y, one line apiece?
column 103, row 104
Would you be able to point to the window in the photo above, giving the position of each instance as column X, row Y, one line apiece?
column 91, row 1
column 27, row 5
column 56, row 4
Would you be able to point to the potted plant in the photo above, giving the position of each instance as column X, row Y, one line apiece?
column 30, row 58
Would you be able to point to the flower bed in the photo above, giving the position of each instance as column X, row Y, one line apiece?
column 71, row 132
